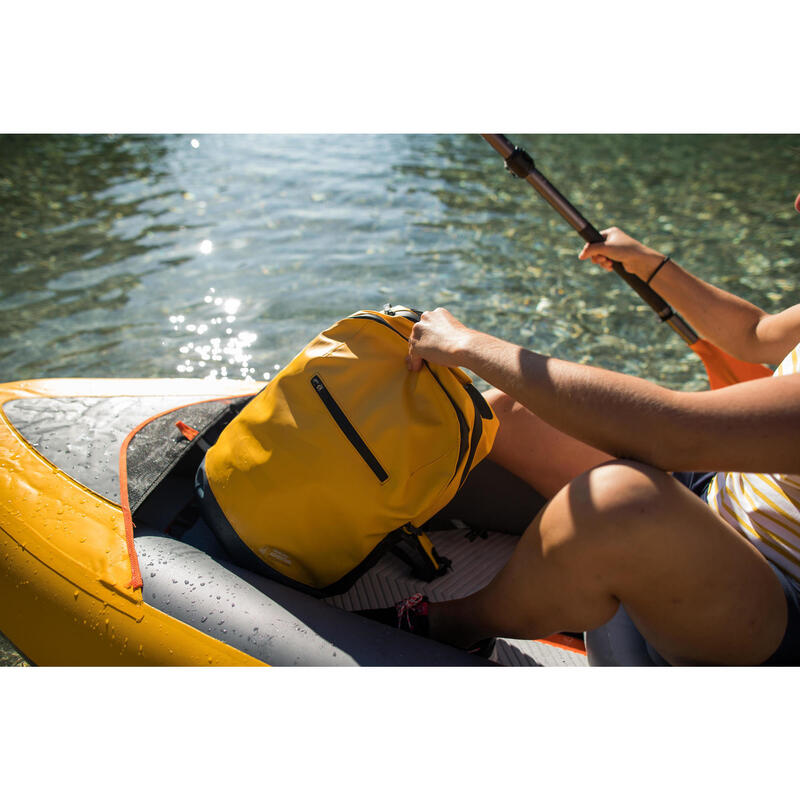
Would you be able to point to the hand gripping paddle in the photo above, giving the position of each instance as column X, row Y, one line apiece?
column 722, row 369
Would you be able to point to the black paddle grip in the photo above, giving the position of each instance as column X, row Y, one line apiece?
column 591, row 235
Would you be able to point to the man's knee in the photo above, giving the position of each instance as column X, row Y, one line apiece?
column 603, row 517
column 620, row 492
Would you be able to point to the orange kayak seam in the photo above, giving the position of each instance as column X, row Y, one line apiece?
column 136, row 575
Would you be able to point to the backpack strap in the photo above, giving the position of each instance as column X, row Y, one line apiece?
column 417, row 550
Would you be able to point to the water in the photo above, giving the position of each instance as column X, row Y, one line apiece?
column 197, row 256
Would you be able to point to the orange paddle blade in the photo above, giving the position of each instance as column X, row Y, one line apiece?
column 725, row 370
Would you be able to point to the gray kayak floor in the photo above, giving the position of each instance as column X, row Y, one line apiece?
column 476, row 560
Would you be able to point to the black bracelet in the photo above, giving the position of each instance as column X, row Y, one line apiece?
column 653, row 274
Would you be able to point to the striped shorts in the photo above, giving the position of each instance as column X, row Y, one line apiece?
column 788, row 652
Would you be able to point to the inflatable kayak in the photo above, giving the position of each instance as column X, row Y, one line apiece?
column 103, row 560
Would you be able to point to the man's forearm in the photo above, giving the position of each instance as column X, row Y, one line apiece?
column 749, row 427
column 724, row 319
column 613, row 412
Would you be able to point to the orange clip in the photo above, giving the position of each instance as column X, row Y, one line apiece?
column 189, row 432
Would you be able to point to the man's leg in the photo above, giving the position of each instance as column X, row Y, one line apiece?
column 624, row 532
column 541, row 455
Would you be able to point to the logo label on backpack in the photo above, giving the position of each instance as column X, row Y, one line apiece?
column 275, row 555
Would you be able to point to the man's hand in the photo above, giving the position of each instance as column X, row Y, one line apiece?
column 634, row 256
column 438, row 337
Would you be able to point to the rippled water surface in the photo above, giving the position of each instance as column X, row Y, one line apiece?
column 196, row 256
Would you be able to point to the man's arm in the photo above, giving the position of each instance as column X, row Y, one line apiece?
column 754, row 426
column 737, row 326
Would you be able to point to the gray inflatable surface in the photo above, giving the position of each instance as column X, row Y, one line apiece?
column 618, row 643
column 268, row 621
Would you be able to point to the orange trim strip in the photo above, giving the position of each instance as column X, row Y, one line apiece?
column 136, row 575
column 565, row 643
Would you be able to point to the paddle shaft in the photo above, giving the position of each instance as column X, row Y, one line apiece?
column 521, row 164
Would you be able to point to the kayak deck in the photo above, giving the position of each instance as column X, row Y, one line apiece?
column 69, row 432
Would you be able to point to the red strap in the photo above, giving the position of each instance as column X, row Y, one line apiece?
column 189, row 432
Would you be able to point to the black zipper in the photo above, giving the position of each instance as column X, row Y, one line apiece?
column 340, row 418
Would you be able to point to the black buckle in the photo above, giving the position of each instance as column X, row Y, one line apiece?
column 402, row 311
column 519, row 163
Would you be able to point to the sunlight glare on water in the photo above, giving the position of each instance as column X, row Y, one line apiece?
column 211, row 347
column 110, row 243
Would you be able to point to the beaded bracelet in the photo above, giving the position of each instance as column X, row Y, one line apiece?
column 653, row 274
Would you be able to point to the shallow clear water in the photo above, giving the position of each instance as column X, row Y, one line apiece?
column 190, row 256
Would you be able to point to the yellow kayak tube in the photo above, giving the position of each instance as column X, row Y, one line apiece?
column 65, row 571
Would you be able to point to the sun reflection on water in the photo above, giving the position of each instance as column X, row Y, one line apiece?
column 216, row 350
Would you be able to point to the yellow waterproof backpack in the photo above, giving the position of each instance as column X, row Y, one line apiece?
column 345, row 453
